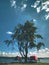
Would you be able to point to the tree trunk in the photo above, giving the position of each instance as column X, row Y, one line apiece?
column 26, row 50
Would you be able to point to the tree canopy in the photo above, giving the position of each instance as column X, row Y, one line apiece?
column 24, row 35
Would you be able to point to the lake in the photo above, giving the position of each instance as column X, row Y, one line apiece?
column 45, row 60
column 9, row 60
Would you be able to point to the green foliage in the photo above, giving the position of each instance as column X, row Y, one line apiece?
column 24, row 35
column 38, row 36
column 39, row 45
column 8, row 42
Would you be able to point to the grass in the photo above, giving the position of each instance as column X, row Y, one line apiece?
column 24, row 64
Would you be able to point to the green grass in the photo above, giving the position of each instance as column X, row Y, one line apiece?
column 24, row 64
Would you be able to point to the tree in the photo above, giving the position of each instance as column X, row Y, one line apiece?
column 24, row 35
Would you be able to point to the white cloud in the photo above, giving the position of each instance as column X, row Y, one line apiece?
column 35, row 4
column 14, row 54
column 45, row 6
column 38, row 9
column 32, row 6
column 9, row 32
column 13, row 3
column 46, row 2
column 41, row 53
column 47, row 16
column 23, row 7
column 47, row 10
column 34, row 20
column 44, row 50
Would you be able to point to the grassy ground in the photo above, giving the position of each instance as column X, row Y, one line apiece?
column 25, row 64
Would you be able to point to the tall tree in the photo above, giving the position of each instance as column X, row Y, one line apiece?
column 25, row 35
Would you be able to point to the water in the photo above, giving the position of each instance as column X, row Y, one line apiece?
column 9, row 60
column 44, row 60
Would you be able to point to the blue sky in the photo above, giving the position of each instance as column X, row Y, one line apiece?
column 13, row 12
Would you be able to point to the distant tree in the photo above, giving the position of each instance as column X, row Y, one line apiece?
column 24, row 35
